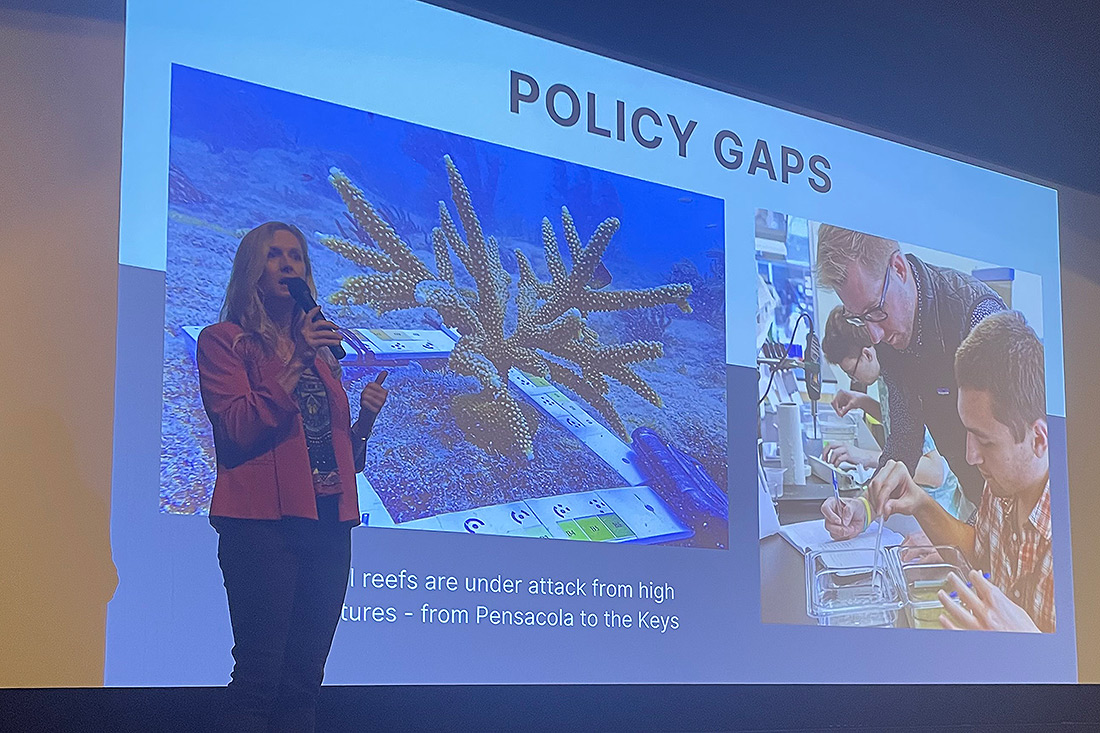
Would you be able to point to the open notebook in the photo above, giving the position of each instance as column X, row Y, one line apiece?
column 810, row 536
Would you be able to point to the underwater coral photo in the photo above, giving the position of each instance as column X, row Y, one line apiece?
column 571, row 321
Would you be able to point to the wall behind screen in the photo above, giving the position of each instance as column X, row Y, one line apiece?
column 1079, row 235
column 61, row 82
column 61, row 116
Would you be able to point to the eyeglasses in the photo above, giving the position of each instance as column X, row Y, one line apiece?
column 878, row 313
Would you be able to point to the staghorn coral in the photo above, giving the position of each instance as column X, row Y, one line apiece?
column 551, row 339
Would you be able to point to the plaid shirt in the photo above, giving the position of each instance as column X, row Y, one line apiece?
column 1019, row 560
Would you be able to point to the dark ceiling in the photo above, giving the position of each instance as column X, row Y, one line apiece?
column 1016, row 84
column 1013, row 83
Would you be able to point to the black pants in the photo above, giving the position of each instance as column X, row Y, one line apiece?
column 285, row 580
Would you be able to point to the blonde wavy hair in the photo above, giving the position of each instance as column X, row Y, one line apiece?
column 244, row 302
column 838, row 249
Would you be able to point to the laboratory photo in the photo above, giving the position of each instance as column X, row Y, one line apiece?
column 903, row 444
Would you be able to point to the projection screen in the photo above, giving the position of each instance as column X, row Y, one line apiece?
column 591, row 287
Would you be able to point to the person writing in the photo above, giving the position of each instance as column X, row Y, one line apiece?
column 284, row 498
column 850, row 348
column 1002, row 403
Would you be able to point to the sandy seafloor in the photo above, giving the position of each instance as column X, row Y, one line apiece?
column 417, row 459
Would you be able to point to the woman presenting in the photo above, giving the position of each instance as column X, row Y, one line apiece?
column 284, row 500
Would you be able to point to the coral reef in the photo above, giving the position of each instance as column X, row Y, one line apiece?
column 647, row 324
column 182, row 190
column 708, row 300
column 232, row 170
column 421, row 465
column 551, row 338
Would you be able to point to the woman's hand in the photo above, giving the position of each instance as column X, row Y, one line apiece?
column 317, row 333
column 838, row 453
column 373, row 397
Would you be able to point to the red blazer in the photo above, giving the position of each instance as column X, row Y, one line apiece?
column 263, row 462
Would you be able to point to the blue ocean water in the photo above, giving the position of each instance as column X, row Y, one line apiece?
column 514, row 190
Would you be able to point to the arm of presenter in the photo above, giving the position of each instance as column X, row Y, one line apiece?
column 371, row 400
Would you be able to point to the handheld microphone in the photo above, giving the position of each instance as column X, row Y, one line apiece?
column 300, row 292
column 811, row 366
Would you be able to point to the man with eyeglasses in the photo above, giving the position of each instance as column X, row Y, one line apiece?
column 916, row 314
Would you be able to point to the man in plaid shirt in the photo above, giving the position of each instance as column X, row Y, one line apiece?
column 1002, row 404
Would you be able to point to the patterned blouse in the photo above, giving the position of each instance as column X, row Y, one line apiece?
column 317, row 423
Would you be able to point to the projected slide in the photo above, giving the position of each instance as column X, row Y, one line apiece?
column 609, row 445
